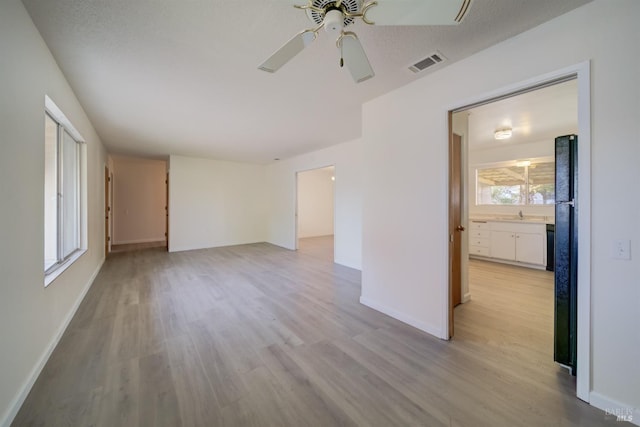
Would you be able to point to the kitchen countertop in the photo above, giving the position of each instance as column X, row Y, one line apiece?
column 528, row 219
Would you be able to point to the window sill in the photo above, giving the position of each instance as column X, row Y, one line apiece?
column 53, row 275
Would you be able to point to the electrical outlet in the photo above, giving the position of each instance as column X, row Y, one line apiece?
column 622, row 249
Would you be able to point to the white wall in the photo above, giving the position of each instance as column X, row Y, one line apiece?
column 139, row 200
column 347, row 159
column 315, row 202
column 405, row 195
column 32, row 317
column 215, row 203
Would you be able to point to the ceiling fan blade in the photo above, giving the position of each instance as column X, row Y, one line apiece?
column 417, row 12
column 288, row 51
column 355, row 58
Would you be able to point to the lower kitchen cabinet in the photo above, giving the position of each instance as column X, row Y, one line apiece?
column 530, row 248
column 512, row 242
column 503, row 245
column 479, row 238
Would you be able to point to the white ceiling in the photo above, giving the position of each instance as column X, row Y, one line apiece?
column 534, row 116
column 159, row 77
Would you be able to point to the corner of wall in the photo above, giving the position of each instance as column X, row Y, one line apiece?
column 403, row 317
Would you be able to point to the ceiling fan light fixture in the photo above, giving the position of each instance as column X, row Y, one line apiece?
column 334, row 22
column 504, row 133
column 336, row 15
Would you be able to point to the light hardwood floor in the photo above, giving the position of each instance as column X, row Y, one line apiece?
column 256, row 335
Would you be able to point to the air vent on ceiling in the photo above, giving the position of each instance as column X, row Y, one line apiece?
column 427, row 62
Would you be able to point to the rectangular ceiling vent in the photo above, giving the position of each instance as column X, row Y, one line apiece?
column 427, row 62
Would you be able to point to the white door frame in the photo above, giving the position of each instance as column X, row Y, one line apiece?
column 296, row 185
column 583, row 212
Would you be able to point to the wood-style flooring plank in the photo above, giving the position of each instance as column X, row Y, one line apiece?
column 158, row 399
column 119, row 401
column 304, row 394
column 256, row 335
column 198, row 406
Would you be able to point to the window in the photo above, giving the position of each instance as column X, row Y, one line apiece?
column 63, row 197
column 516, row 183
column 542, row 183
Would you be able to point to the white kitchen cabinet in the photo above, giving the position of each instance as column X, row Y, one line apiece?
column 511, row 242
column 479, row 238
column 530, row 248
column 503, row 245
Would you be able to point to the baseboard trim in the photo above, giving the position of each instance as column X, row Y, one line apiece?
column 504, row 261
column 311, row 236
column 423, row 326
column 615, row 410
column 353, row 265
column 19, row 399
column 466, row 297
column 174, row 248
column 132, row 242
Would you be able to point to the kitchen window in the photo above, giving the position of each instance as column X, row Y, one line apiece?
column 64, row 201
column 516, row 183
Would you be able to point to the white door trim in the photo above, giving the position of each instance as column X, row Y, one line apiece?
column 583, row 211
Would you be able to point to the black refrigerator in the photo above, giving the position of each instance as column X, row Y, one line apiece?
column 566, row 251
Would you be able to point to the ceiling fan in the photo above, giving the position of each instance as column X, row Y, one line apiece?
column 335, row 15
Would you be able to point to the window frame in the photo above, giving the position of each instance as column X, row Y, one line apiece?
column 64, row 129
column 526, row 183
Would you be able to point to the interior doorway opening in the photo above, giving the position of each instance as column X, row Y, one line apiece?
column 108, row 202
column 487, row 199
column 139, row 210
column 315, row 211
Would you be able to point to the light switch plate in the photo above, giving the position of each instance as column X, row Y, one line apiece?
column 622, row 249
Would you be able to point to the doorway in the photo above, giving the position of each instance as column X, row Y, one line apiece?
column 315, row 207
column 580, row 78
column 166, row 212
column 107, row 210
column 456, row 203
column 140, row 203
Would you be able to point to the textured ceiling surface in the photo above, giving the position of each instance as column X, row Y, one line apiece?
column 159, row 77
column 534, row 116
